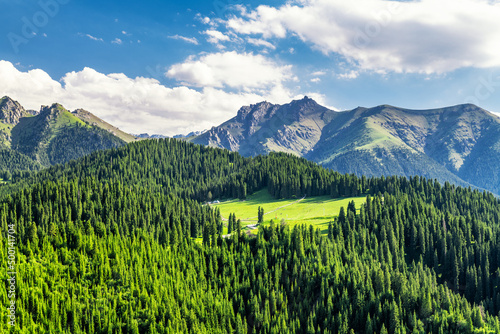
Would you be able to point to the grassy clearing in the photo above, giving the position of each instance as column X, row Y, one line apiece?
column 316, row 211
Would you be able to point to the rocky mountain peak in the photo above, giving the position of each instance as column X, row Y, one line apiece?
column 53, row 111
column 11, row 111
column 254, row 111
column 303, row 108
column 304, row 102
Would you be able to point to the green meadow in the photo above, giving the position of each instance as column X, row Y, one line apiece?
column 317, row 211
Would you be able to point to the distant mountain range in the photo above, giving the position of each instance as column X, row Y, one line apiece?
column 31, row 140
column 148, row 136
column 190, row 135
column 459, row 144
column 180, row 136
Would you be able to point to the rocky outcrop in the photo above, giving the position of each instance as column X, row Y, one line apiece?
column 11, row 111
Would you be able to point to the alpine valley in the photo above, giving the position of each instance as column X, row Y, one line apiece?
column 177, row 180
column 166, row 236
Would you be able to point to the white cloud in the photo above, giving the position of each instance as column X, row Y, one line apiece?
column 135, row 105
column 94, row 38
column 32, row 88
column 315, row 80
column 349, row 75
column 244, row 71
column 202, row 19
column 215, row 37
column 318, row 73
column 416, row 36
column 117, row 41
column 191, row 40
column 260, row 42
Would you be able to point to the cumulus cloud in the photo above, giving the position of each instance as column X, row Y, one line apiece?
column 191, row 40
column 244, row 71
column 33, row 88
column 137, row 104
column 416, row 36
column 117, row 41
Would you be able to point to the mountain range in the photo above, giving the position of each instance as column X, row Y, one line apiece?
column 32, row 140
column 459, row 144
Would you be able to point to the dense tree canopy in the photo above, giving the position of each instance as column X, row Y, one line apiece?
column 120, row 242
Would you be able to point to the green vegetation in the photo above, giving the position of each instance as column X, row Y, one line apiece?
column 105, row 245
column 315, row 211
column 57, row 136
column 13, row 161
column 5, row 133
column 77, row 141
column 54, row 136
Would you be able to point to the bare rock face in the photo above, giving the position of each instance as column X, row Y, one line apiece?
column 11, row 111
column 222, row 138
column 264, row 127
column 251, row 117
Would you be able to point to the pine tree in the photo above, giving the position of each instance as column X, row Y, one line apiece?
column 260, row 215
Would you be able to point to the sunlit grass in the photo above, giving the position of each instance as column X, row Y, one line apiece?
column 317, row 211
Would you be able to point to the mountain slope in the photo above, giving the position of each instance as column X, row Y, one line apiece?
column 56, row 136
column 10, row 114
column 91, row 119
column 460, row 144
column 32, row 140
column 265, row 127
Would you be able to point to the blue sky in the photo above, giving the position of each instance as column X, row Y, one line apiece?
column 173, row 67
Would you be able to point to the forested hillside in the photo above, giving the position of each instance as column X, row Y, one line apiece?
column 31, row 141
column 120, row 242
column 57, row 136
column 173, row 166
